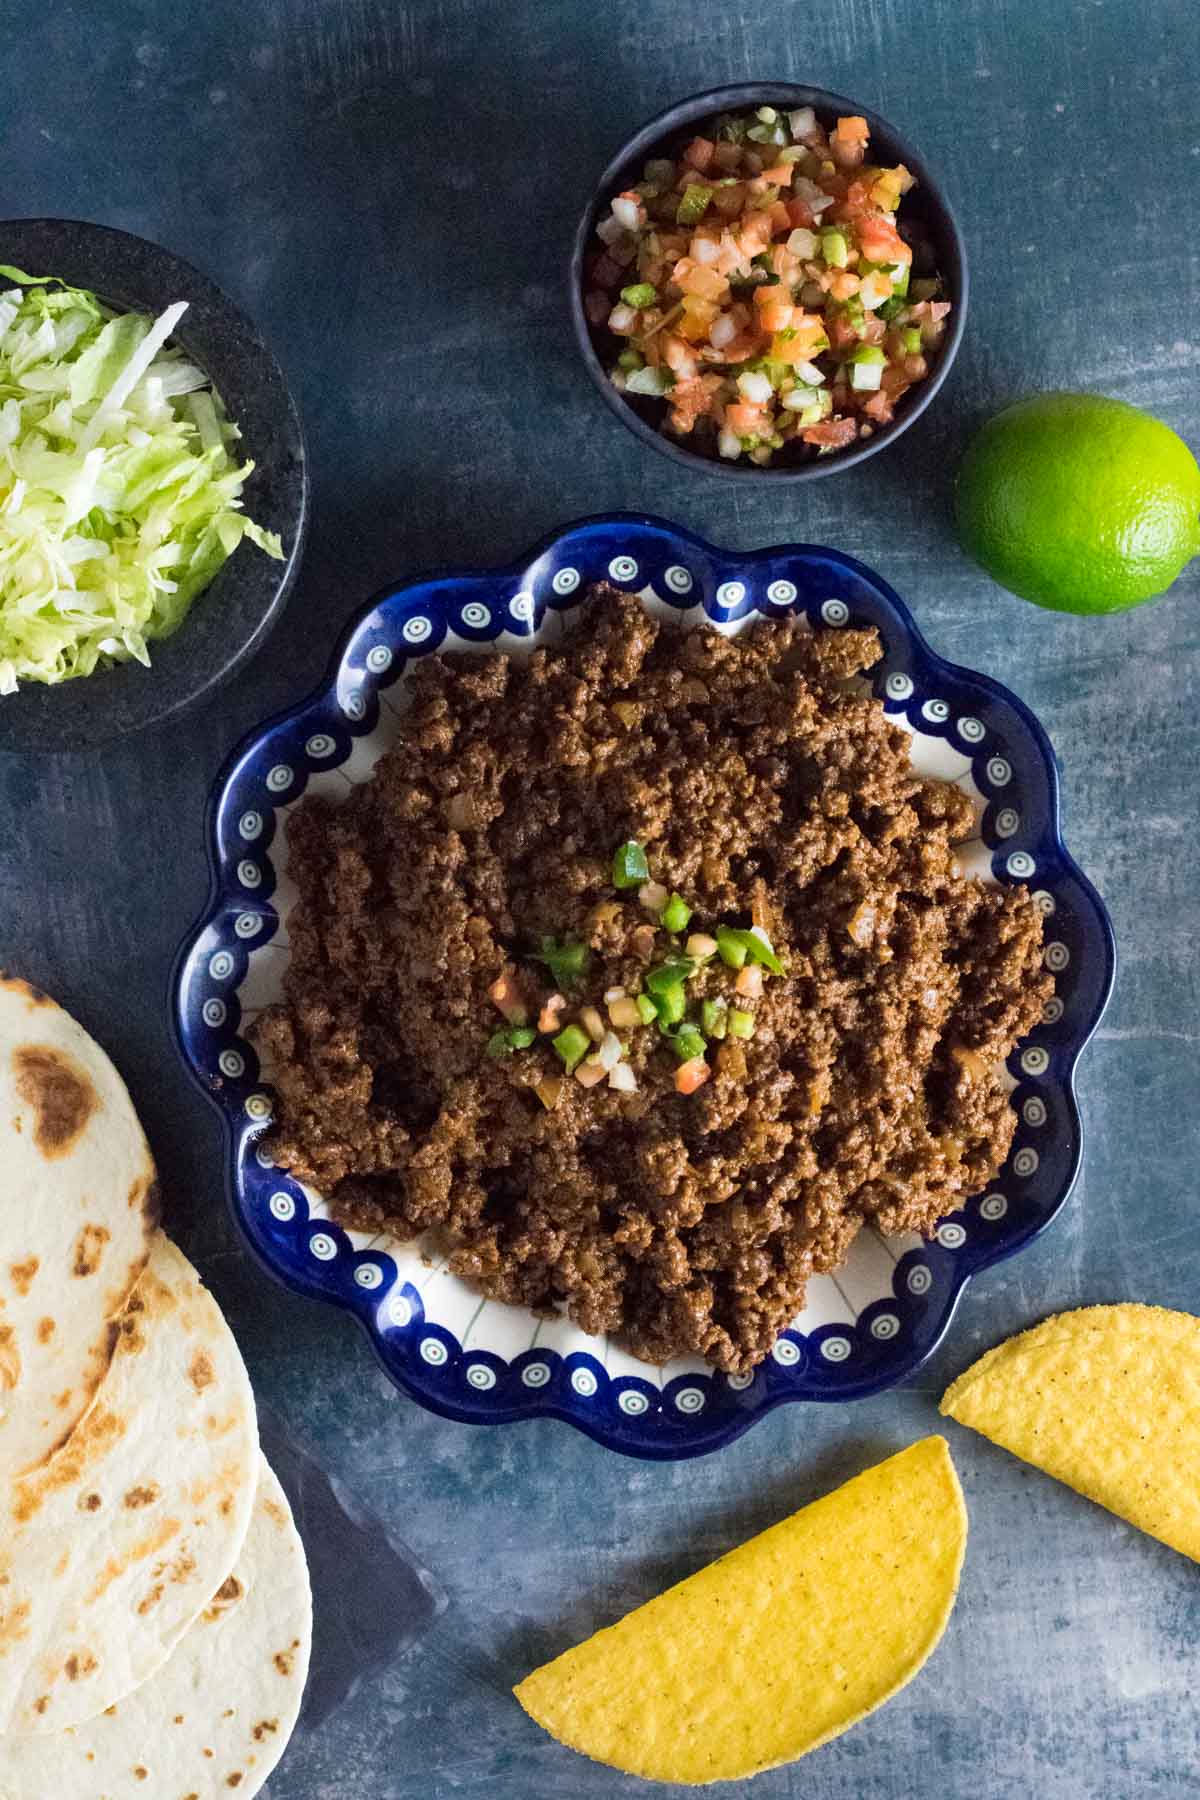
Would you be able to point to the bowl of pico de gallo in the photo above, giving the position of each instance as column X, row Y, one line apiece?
column 768, row 283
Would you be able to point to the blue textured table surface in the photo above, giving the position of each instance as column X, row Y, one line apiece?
column 295, row 149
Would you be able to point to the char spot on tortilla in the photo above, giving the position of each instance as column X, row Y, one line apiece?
column 227, row 1595
column 89, row 1503
column 285, row 1660
column 89, row 1443
column 23, row 1274
column 263, row 1728
column 178, row 1719
column 89, row 1250
column 149, row 1601
column 45, row 1330
column 201, row 1373
column 146, row 1194
column 41, row 1703
column 10, row 1358
column 234, row 1780
column 140, row 1773
column 79, row 1667
column 13, row 1626
column 142, row 1496
column 117, row 1566
column 275, row 1513
column 59, row 1092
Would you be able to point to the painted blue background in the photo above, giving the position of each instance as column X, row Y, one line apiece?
column 298, row 151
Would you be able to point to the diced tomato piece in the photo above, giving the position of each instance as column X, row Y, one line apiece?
column 781, row 175
column 843, row 284
column 727, row 156
column 879, row 240
column 597, row 306
column 745, row 419
column 699, row 154
column 780, row 217
column 879, row 407
column 691, row 1075
column 848, row 144
column 692, row 400
column 872, row 330
column 800, row 213
column 505, row 993
column 698, row 315
column 699, row 278
column 842, row 335
column 832, row 434
column 755, row 234
column 778, row 312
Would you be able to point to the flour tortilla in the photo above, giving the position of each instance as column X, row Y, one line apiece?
column 78, row 1207
column 111, row 1549
column 217, row 1717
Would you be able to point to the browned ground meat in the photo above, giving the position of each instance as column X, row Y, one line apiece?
column 753, row 771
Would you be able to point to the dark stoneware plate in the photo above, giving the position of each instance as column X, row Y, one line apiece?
column 233, row 617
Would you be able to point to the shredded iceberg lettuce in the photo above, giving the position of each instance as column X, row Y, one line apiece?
column 119, row 496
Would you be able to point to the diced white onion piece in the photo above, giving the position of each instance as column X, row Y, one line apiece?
column 609, row 230
column 754, row 387
column 705, row 249
column 749, row 983
column 623, row 1079
column 590, row 1073
column 803, row 242
column 809, row 372
column 622, row 318
column 653, row 896
column 609, row 1052
column 626, row 212
column 701, row 946
column 729, row 444
column 722, row 332
column 797, row 398
column 613, row 993
column 803, row 122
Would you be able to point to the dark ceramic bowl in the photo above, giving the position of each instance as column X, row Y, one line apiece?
column 926, row 219
column 233, row 617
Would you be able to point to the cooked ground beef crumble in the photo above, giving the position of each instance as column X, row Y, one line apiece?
column 764, row 783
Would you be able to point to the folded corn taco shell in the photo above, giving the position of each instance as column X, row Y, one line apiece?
column 112, row 1547
column 78, row 1206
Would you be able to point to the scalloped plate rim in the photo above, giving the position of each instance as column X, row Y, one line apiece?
column 726, row 1426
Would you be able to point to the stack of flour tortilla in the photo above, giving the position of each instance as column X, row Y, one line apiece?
column 155, row 1610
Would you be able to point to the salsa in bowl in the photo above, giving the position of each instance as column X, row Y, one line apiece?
column 769, row 281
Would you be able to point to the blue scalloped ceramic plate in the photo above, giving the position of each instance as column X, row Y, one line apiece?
column 882, row 1314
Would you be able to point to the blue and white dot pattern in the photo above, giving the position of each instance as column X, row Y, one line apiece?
column 240, row 952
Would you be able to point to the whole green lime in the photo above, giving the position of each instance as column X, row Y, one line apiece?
column 1080, row 503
